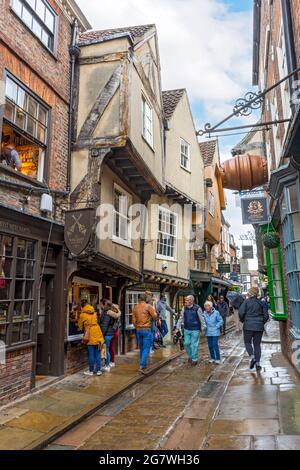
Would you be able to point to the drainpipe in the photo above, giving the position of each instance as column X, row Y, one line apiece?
column 74, row 52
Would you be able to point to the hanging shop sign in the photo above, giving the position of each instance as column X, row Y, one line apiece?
column 224, row 268
column 78, row 229
column 247, row 252
column 199, row 254
column 236, row 268
column 255, row 210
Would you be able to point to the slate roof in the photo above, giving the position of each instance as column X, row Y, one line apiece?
column 208, row 150
column 94, row 37
column 171, row 99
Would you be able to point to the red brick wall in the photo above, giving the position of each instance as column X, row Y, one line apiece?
column 15, row 376
column 76, row 357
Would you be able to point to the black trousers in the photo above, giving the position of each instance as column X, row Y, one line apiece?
column 223, row 327
column 254, row 337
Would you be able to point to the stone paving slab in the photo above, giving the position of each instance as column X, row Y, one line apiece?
column 35, row 420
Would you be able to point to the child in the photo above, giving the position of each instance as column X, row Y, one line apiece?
column 213, row 322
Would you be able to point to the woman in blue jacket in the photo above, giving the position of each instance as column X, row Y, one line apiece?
column 213, row 321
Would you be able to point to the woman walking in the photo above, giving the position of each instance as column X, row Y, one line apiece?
column 210, row 298
column 88, row 322
column 107, row 323
column 213, row 321
column 115, row 313
column 253, row 315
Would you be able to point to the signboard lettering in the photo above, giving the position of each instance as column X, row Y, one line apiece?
column 255, row 210
column 78, row 229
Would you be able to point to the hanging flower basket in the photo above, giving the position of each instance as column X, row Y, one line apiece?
column 271, row 240
column 221, row 259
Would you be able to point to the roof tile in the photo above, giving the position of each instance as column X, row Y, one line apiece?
column 208, row 150
column 171, row 99
column 93, row 37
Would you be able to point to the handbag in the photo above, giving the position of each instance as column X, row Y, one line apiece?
column 3, row 282
column 86, row 336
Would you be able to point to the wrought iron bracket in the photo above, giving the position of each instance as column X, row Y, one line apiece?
column 244, row 107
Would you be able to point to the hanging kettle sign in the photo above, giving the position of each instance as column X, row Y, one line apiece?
column 78, row 229
column 255, row 210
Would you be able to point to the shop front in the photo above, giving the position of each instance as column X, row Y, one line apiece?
column 31, row 316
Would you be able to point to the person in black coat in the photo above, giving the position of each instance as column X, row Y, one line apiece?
column 253, row 316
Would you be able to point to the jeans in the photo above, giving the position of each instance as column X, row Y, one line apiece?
column 145, row 338
column 112, row 345
column 94, row 356
column 191, row 344
column 213, row 346
column 107, row 340
column 255, row 337
column 163, row 328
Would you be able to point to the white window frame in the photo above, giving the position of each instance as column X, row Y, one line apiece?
column 167, row 213
column 211, row 204
column 37, row 23
column 185, row 156
column 147, row 121
column 127, row 201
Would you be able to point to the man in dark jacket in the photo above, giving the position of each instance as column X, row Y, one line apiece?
column 253, row 316
column 236, row 303
column 224, row 311
column 107, row 324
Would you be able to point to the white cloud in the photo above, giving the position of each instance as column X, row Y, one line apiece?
column 204, row 47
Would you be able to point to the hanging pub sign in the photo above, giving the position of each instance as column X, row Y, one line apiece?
column 78, row 229
column 255, row 210
column 247, row 252
column 224, row 268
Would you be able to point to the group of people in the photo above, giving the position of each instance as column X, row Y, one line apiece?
column 100, row 335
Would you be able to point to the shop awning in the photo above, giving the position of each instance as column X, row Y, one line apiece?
column 220, row 282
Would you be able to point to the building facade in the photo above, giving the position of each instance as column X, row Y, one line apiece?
column 35, row 83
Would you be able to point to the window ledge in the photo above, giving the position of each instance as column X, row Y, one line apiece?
column 167, row 258
column 148, row 143
column 21, row 176
column 188, row 170
column 122, row 242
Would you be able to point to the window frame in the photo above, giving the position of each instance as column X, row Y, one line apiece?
column 42, row 173
column 34, row 15
column 12, row 301
column 289, row 241
column 184, row 156
column 145, row 102
column 159, row 255
column 275, row 313
column 211, row 209
column 116, row 238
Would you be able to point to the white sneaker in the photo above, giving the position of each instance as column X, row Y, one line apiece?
column 217, row 362
column 211, row 361
column 112, row 364
column 87, row 372
column 99, row 372
column 106, row 369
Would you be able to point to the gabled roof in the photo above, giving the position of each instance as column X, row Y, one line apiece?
column 94, row 37
column 208, row 150
column 171, row 99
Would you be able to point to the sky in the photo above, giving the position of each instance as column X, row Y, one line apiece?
column 206, row 47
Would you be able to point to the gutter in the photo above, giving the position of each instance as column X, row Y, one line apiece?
column 256, row 40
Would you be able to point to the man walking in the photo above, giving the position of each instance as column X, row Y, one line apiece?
column 192, row 318
column 224, row 311
column 162, row 308
column 142, row 316
column 236, row 303
column 253, row 315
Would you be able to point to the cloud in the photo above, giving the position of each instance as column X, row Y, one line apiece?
column 204, row 46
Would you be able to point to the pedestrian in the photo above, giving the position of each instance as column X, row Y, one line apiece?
column 193, row 321
column 162, row 308
column 142, row 316
column 151, row 300
column 107, row 322
column 253, row 315
column 88, row 322
column 236, row 304
column 115, row 313
column 210, row 298
column 224, row 311
column 9, row 154
column 213, row 322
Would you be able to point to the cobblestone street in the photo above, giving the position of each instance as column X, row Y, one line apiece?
column 205, row 407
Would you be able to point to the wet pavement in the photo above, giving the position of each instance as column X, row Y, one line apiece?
column 37, row 419
column 178, row 407
column 207, row 407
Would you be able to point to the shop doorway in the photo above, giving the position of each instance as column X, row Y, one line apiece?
column 45, row 319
